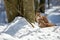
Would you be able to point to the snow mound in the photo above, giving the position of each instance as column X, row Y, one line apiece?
column 4, row 36
column 20, row 29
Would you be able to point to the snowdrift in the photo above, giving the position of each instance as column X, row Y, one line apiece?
column 20, row 29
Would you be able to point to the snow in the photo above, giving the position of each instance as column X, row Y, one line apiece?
column 51, row 10
column 2, row 28
column 4, row 36
column 20, row 29
column 53, row 15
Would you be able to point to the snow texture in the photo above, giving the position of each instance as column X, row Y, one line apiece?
column 20, row 29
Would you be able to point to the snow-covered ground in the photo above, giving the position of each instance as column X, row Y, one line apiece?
column 53, row 15
column 20, row 29
column 52, row 10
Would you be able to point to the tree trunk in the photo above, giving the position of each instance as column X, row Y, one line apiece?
column 42, row 6
column 20, row 8
column 11, row 6
column 29, row 12
column 48, row 3
column 23, row 8
column 36, row 4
